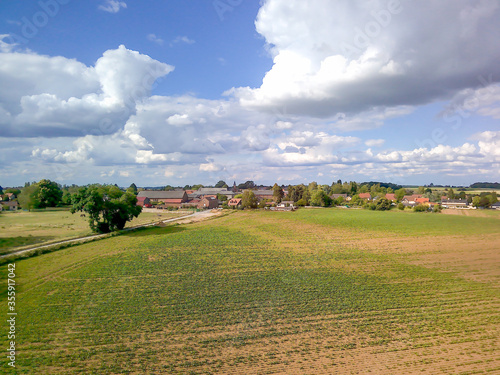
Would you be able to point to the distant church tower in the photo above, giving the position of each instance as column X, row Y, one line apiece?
column 235, row 188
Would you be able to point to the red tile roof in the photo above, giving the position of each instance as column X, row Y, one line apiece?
column 234, row 202
column 422, row 200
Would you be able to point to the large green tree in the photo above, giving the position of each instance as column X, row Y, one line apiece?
column 399, row 194
column 451, row 194
column 49, row 194
column 28, row 197
column 107, row 207
column 221, row 184
column 320, row 198
column 246, row 185
column 278, row 193
column 298, row 192
column 249, row 200
column 42, row 194
column 132, row 188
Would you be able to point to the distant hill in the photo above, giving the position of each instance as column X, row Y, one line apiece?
column 485, row 185
column 383, row 184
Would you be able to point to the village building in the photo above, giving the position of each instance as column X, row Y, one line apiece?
column 10, row 205
column 143, row 202
column 235, row 202
column 208, row 203
column 343, row 196
column 192, row 203
column 284, row 206
column 167, row 198
column 454, row 203
column 391, row 197
column 235, row 188
column 263, row 195
column 411, row 200
column 422, row 200
column 207, row 192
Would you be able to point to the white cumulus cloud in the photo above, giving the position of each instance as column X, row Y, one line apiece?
column 56, row 96
column 353, row 56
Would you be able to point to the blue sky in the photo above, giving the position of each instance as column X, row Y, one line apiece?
column 182, row 92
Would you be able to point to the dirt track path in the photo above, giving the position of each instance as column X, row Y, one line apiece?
column 197, row 216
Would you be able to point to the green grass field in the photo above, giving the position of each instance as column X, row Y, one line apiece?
column 22, row 228
column 266, row 293
column 406, row 223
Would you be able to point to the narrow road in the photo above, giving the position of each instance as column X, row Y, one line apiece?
column 199, row 215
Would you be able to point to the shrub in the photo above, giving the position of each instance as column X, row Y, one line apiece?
column 421, row 208
column 401, row 206
column 383, row 204
column 302, row 202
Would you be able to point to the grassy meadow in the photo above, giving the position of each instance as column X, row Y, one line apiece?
column 22, row 228
column 325, row 291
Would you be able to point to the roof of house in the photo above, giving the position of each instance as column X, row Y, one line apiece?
column 413, row 197
column 455, row 201
column 210, row 198
column 234, row 202
column 422, row 200
column 212, row 190
column 141, row 199
column 9, row 203
column 365, row 195
column 391, row 197
column 155, row 194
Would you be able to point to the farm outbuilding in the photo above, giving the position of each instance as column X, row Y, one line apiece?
column 169, row 198
column 208, row 203
column 143, row 201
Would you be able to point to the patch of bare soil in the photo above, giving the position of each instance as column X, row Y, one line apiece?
column 315, row 345
column 474, row 213
column 471, row 257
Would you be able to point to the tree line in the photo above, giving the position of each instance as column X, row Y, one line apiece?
column 107, row 207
